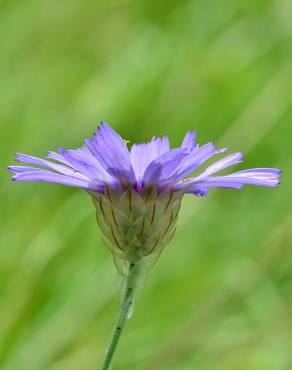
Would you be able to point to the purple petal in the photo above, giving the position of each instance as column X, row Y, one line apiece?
column 54, row 166
column 21, row 169
column 189, row 141
column 112, row 153
column 83, row 161
column 164, row 168
column 218, row 182
column 58, row 157
column 161, row 144
column 47, row 176
column 228, row 161
column 263, row 172
column 142, row 155
column 258, row 176
column 199, row 192
column 196, row 158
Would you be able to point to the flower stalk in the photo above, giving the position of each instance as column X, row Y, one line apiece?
column 122, row 317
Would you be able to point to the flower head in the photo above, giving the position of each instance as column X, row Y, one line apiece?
column 137, row 193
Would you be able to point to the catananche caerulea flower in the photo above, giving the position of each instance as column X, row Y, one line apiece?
column 137, row 193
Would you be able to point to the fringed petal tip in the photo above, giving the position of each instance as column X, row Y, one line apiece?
column 19, row 157
column 105, row 159
column 258, row 176
column 20, row 169
column 269, row 177
column 11, row 169
column 189, row 141
column 112, row 153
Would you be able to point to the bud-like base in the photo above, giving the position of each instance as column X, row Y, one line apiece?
column 135, row 224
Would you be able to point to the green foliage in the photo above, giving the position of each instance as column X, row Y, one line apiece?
column 220, row 295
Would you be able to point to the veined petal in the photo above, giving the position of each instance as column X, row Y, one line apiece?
column 189, row 141
column 112, row 153
column 259, row 176
column 196, row 158
column 161, row 144
column 105, row 159
column 225, row 162
column 48, row 176
column 83, row 161
column 58, row 157
column 21, row 169
column 218, row 182
column 142, row 155
column 164, row 168
column 54, row 166
column 262, row 172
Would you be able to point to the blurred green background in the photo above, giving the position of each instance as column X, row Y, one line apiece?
column 220, row 297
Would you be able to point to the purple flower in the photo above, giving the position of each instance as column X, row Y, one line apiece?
column 105, row 160
column 137, row 194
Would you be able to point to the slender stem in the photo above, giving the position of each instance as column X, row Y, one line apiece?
column 122, row 317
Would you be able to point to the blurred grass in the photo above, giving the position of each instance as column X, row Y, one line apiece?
column 220, row 296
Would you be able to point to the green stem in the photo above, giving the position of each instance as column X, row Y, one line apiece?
column 122, row 317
